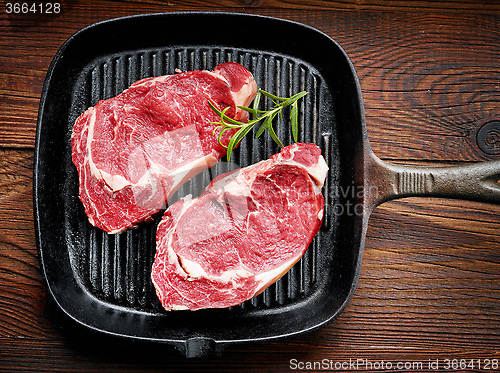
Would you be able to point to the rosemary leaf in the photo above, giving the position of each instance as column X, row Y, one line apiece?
column 232, row 144
column 226, row 121
column 270, row 129
column 294, row 98
column 256, row 102
column 220, row 135
column 263, row 127
column 294, row 120
column 265, row 116
column 235, row 140
column 271, row 96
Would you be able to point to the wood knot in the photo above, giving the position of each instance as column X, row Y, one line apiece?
column 488, row 137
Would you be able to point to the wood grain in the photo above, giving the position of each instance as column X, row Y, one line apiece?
column 429, row 81
column 419, row 6
column 430, row 280
column 429, row 285
column 21, row 288
column 274, row 357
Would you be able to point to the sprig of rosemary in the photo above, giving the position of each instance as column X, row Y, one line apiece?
column 264, row 116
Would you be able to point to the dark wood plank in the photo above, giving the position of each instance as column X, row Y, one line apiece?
column 441, row 257
column 429, row 288
column 16, row 170
column 22, row 292
column 73, row 355
column 460, row 6
column 394, row 5
column 428, row 80
column 426, row 91
column 434, row 94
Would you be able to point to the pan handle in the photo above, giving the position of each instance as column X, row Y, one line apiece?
column 475, row 182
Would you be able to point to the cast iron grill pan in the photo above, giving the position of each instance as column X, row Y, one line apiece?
column 103, row 281
column 117, row 268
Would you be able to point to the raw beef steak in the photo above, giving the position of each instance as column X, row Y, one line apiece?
column 134, row 150
column 242, row 234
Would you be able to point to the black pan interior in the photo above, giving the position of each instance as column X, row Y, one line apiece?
column 102, row 280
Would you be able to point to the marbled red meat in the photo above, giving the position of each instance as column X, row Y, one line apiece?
column 244, row 231
column 133, row 151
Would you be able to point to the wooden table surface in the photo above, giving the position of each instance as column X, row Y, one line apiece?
column 430, row 282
